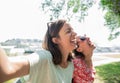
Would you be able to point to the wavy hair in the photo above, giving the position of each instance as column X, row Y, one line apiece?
column 48, row 44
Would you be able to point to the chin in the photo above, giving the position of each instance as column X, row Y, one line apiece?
column 73, row 46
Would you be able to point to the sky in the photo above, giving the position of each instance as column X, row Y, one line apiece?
column 23, row 19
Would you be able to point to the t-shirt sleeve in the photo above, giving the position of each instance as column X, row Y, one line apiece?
column 37, row 62
column 33, row 60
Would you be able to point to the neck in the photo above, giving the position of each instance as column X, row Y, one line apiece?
column 64, row 64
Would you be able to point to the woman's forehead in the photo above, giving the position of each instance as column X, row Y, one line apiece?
column 67, row 25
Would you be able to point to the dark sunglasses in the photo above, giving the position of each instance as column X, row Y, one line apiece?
column 82, row 38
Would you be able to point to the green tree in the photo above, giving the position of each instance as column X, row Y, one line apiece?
column 68, row 9
column 112, row 16
column 78, row 9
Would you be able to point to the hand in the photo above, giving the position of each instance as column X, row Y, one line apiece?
column 86, row 47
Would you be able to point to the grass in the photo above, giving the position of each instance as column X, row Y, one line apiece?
column 10, row 81
column 18, row 80
column 109, row 73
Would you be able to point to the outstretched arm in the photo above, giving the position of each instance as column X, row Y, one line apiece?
column 10, row 68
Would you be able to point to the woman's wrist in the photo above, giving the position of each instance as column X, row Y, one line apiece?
column 89, row 63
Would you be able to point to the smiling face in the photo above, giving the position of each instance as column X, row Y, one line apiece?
column 59, row 40
column 66, row 38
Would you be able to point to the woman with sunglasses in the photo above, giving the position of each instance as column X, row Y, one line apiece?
column 84, row 71
column 52, row 64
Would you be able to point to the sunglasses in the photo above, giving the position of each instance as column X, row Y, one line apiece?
column 82, row 38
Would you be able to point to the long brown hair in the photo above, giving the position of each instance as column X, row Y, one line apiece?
column 48, row 44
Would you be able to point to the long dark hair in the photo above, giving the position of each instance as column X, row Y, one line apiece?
column 48, row 44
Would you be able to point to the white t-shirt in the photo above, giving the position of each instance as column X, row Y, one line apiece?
column 43, row 70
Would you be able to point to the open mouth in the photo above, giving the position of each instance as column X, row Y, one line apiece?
column 74, row 42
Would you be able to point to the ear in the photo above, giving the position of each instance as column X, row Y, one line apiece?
column 55, row 40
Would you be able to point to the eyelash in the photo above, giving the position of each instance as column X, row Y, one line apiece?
column 69, row 31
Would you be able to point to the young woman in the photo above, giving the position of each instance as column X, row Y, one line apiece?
column 84, row 71
column 52, row 64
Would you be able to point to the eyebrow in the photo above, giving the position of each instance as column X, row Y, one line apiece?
column 68, row 28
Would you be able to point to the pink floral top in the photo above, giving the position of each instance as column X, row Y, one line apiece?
column 82, row 74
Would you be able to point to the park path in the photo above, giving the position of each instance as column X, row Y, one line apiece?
column 104, row 58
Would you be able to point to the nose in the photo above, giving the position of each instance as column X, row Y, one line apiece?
column 74, row 33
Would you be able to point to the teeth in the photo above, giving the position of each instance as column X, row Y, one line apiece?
column 74, row 40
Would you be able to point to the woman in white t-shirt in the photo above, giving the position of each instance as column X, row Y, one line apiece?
column 52, row 64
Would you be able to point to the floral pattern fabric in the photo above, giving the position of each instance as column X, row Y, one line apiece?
column 82, row 74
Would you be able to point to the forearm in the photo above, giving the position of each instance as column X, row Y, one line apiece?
column 89, row 63
column 10, row 68
column 88, row 59
column 90, row 70
column 90, row 67
column 4, row 65
column 4, row 61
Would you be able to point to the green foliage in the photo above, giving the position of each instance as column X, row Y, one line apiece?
column 10, row 81
column 68, row 9
column 77, row 9
column 110, row 73
column 53, row 8
column 112, row 16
